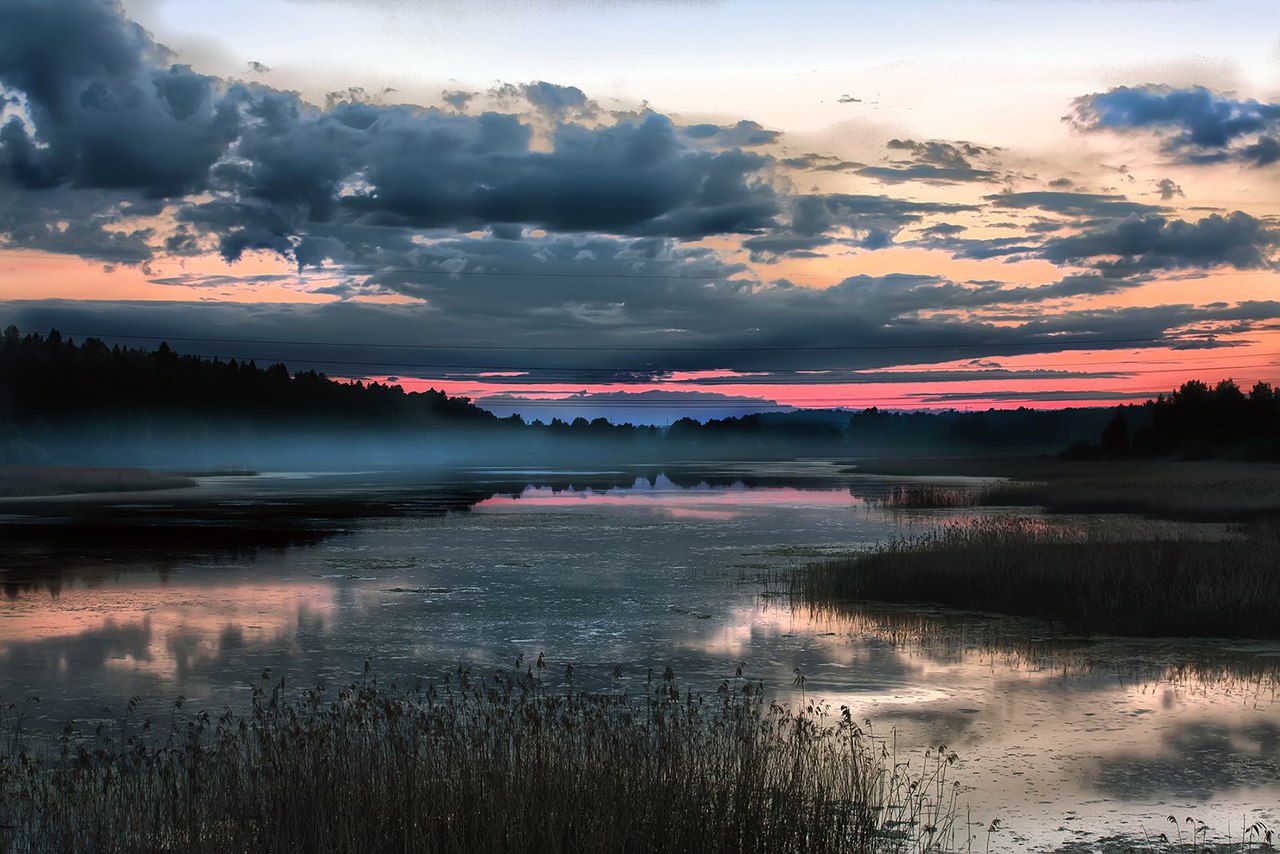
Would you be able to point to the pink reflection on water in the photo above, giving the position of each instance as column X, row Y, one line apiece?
column 163, row 629
column 702, row 502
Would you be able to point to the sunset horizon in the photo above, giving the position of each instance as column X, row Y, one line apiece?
column 833, row 235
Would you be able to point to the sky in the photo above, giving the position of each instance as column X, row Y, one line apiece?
column 645, row 209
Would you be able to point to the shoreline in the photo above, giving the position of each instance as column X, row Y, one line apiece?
column 50, row 481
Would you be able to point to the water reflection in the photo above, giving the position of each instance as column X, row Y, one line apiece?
column 197, row 594
column 701, row 501
column 1199, row 759
column 1083, row 732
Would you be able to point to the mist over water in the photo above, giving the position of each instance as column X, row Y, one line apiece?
column 196, row 592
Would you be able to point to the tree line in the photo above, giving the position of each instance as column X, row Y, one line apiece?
column 73, row 400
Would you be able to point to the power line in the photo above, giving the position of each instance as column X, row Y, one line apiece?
column 746, row 348
column 348, row 363
column 368, row 269
column 343, row 362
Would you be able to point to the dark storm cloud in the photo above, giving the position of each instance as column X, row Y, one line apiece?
column 821, row 163
column 992, row 247
column 862, row 221
column 1042, row 396
column 405, row 167
column 944, row 229
column 1198, row 126
column 107, row 108
column 607, row 329
column 1146, row 243
column 401, row 167
column 101, row 109
column 1209, row 343
column 1072, row 204
column 558, row 101
column 457, row 98
column 770, row 249
column 1168, row 189
column 744, row 133
column 945, row 375
column 933, row 162
column 926, row 174
column 1119, row 237
column 1264, row 152
column 77, row 222
column 863, row 213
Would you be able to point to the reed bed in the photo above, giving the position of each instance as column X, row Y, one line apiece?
column 476, row 765
column 1189, row 492
column 922, row 496
column 1103, row 580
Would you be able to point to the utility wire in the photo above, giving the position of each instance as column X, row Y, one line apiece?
column 746, row 348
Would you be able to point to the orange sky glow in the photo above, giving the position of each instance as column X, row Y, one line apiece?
column 1052, row 228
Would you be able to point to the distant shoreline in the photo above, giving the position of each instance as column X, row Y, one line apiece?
column 37, row 481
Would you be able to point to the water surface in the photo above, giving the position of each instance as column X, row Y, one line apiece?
column 196, row 593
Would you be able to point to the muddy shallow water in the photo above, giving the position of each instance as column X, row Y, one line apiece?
column 194, row 593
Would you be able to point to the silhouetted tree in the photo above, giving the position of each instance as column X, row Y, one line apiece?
column 1115, row 439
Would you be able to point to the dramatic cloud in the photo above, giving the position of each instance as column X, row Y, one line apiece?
column 815, row 162
column 933, row 162
column 100, row 109
column 744, row 133
column 1144, row 243
column 581, row 341
column 1168, row 189
column 1073, row 204
column 403, row 167
column 1198, row 126
column 107, row 110
column 533, row 236
column 869, row 222
column 1035, row 396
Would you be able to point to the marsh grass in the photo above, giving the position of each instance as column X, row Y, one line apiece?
column 1189, row 492
column 25, row 481
column 495, row 764
column 923, row 496
column 1104, row 580
column 1187, row 836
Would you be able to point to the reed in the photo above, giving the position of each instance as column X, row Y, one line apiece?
column 1188, row 492
column 502, row 763
column 1105, row 579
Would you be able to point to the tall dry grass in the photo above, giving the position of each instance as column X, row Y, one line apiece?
column 1190, row 492
column 1104, row 580
column 480, row 765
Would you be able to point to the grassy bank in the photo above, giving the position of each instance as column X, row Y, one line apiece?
column 500, row 764
column 28, row 481
column 1091, row 579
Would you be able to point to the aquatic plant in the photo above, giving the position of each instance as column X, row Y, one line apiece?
column 497, row 763
column 1114, row 580
column 1217, row 491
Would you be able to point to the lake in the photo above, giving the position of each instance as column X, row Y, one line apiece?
column 196, row 592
